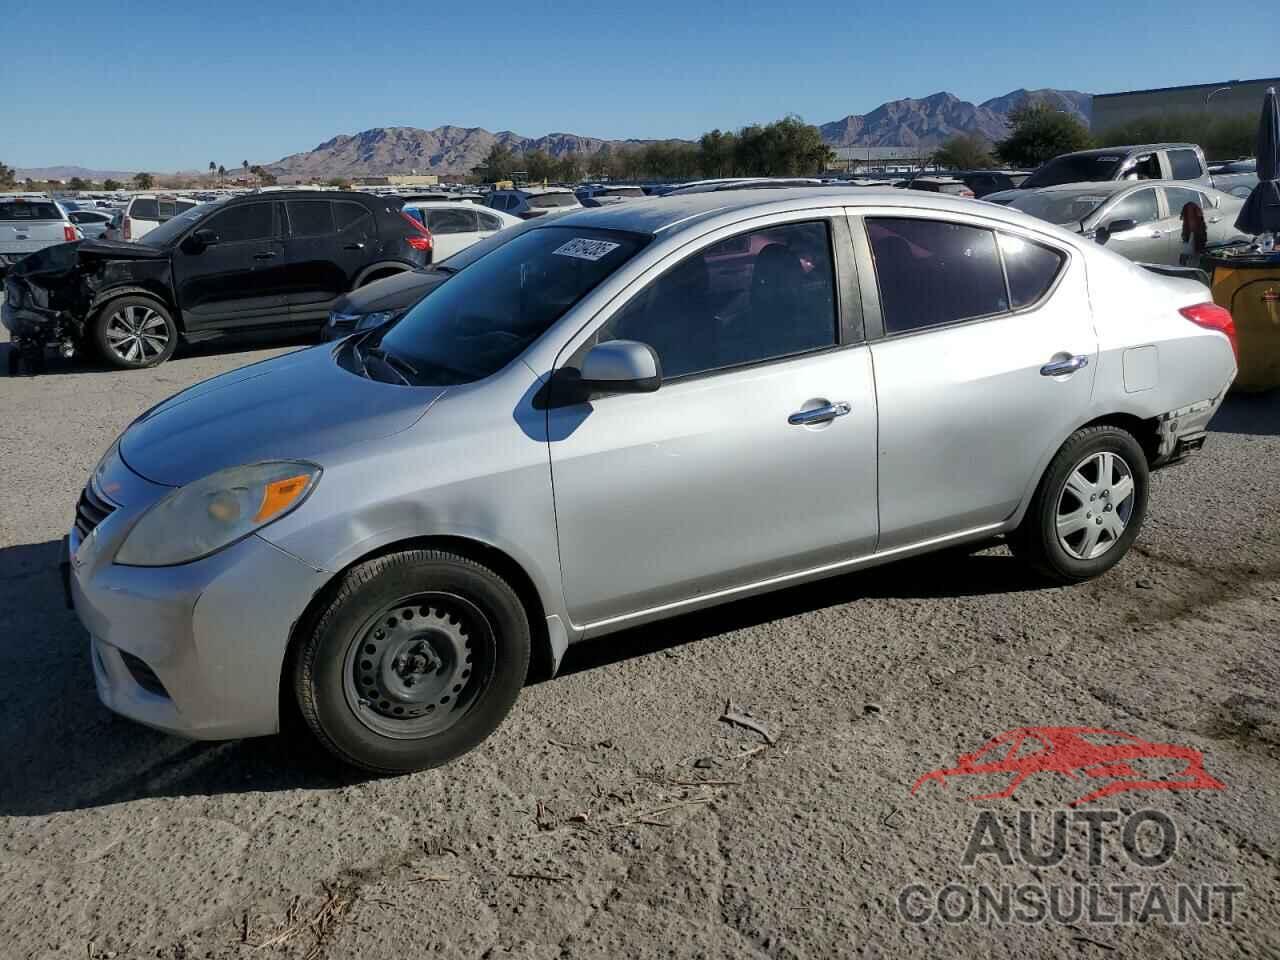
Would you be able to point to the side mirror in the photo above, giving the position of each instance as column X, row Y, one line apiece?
column 1121, row 226
column 620, row 366
column 202, row 238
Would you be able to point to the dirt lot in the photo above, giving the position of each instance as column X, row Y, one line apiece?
column 615, row 814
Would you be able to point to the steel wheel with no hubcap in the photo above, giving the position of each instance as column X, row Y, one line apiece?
column 136, row 333
column 416, row 667
column 1095, row 505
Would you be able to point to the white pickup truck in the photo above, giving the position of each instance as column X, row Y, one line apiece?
column 31, row 223
column 1146, row 161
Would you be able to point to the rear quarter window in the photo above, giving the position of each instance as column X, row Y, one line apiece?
column 1031, row 267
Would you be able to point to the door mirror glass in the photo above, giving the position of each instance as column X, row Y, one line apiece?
column 1121, row 226
column 621, row 366
column 199, row 239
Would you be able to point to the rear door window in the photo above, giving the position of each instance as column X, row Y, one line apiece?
column 310, row 218
column 1185, row 164
column 935, row 272
column 488, row 221
column 352, row 217
column 1179, row 197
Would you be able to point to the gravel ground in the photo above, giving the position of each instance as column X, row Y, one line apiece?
column 614, row 814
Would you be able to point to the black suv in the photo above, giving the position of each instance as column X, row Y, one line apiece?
column 265, row 261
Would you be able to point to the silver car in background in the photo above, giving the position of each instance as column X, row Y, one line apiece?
column 616, row 417
column 1141, row 220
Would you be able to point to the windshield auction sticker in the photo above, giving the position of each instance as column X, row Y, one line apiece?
column 583, row 249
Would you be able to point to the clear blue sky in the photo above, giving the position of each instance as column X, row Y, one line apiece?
column 166, row 86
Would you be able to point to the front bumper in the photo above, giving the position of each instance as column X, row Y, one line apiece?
column 198, row 649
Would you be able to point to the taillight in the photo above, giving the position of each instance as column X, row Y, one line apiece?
column 420, row 237
column 1213, row 317
column 68, row 232
column 126, row 229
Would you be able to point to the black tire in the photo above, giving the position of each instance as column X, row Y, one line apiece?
column 1037, row 539
column 125, row 314
column 346, row 701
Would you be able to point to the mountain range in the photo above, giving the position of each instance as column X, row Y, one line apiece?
column 924, row 122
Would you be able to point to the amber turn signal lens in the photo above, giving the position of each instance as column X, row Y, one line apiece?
column 279, row 495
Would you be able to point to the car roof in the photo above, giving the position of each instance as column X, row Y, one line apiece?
column 655, row 215
column 1130, row 148
column 1115, row 186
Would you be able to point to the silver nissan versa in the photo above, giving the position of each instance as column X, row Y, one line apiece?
column 622, row 415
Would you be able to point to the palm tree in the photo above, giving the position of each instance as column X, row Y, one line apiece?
column 213, row 168
column 245, row 164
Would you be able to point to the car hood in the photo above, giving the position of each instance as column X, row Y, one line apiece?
column 301, row 406
column 391, row 293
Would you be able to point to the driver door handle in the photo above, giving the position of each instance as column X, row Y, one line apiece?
column 1057, row 368
column 803, row 418
column 354, row 246
column 267, row 255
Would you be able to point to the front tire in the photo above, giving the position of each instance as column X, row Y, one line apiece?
column 132, row 333
column 417, row 658
column 1088, row 508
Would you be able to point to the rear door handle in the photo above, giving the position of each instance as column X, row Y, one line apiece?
column 1056, row 368
column 803, row 418
column 354, row 246
column 264, row 256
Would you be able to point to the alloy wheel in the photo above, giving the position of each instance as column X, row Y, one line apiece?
column 1095, row 505
column 137, row 333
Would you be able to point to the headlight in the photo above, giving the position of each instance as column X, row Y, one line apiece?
column 371, row 320
column 362, row 321
column 205, row 516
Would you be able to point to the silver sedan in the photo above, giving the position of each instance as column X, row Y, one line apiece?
column 620, row 416
column 1139, row 220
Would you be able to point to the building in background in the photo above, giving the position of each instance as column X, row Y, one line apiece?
column 879, row 160
column 1230, row 98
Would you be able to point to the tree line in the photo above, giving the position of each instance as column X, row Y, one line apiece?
column 1039, row 133
column 786, row 147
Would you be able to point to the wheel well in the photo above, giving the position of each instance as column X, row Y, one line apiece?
column 1146, row 432
column 499, row 562
column 96, row 307
column 380, row 273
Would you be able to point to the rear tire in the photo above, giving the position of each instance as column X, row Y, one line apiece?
column 1088, row 508
column 132, row 333
column 415, row 660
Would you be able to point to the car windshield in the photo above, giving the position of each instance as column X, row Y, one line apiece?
column 1089, row 168
column 482, row 318
column 1061, row 208
column 175, row 227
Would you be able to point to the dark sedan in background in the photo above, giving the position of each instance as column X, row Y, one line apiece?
column 257, row 262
